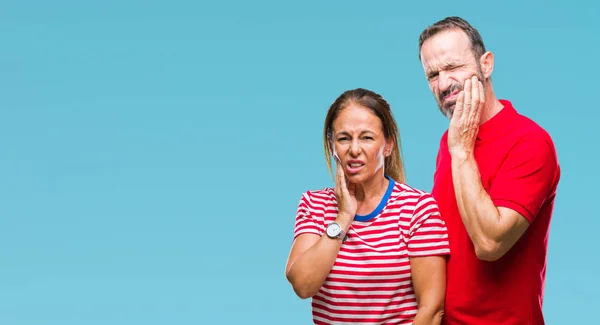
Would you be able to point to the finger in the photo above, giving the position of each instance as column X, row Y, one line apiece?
column 467, row 100
column 339, row 173
column 458, row 107
column 334, row 152
column 474, row 97
column 474, row 81
column 341, row 177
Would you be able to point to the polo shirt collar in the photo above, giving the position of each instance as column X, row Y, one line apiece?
column 493, row 126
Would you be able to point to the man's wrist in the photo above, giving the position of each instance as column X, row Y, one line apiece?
column 460, row 157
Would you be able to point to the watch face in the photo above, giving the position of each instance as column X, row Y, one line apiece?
column 333, row 230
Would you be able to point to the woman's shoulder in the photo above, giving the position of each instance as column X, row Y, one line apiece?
column 318, row 200
column 410, row 200
column 404, row 191
column 323, row 194
column 401, row 187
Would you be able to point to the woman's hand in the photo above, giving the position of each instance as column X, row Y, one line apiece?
column 345, row 196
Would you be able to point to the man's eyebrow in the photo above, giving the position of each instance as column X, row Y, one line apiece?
column 432, row 72
column 445, row 66
column 452, row 64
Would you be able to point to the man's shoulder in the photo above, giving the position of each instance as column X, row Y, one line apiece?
column 525, row 128
column 444, row 137
column 529, row 141
column 444, row 140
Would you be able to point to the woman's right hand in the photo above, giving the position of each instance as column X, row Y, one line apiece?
column 345, row 195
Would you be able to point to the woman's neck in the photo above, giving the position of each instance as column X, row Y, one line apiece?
column 375, row 188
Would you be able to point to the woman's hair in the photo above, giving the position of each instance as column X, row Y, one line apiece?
column 373, row 101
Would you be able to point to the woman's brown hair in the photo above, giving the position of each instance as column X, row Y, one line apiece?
column 394, row 166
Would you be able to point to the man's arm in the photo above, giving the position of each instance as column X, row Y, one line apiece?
column 497, row 220
column 493, row 230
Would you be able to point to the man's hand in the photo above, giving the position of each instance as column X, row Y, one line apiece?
column 464, row 124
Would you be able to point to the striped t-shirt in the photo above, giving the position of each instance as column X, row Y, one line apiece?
column 370, row 282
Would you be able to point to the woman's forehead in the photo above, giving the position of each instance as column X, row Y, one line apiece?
column 356, row 118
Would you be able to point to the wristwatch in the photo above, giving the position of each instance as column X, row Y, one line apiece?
column 335, row 231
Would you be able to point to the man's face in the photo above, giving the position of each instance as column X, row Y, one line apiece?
column 448, row 61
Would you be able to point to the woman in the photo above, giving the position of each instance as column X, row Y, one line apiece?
column 371, row 250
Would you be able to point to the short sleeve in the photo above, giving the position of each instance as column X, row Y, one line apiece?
column 438, row 157
column 527, row 177
column 306, row 221
column 428, row 234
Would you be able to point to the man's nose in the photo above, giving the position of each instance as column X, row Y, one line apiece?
column 444, row 81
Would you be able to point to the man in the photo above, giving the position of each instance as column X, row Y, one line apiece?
column 495, row 183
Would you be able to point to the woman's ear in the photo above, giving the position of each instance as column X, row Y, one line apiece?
column 387, row 150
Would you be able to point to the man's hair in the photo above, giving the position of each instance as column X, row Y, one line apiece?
column 454, row 22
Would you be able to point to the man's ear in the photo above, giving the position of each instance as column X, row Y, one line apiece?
column 487, row 64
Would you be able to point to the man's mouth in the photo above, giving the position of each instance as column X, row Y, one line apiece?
column 451, row 95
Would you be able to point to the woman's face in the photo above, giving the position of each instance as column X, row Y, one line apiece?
column 360, row 144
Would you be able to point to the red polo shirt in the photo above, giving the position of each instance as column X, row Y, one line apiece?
column 519, row 170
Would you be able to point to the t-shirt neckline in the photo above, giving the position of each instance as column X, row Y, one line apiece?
column 381, row 205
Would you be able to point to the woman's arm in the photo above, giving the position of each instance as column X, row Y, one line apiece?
column 310, row 261
column 429, row 282
column 312, row 256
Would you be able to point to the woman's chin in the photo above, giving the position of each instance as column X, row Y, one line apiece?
column 356, row 178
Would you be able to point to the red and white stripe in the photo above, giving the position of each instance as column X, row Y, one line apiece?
column 370, row 282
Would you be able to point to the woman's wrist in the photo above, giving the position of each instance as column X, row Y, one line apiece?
column 344, row 221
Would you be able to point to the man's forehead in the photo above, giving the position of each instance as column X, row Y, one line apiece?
column 447, row 38
column 445, row 47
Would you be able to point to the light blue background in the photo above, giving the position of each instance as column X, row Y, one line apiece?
column 152, row 153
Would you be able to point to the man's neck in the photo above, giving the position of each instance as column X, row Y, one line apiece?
column 491, row 107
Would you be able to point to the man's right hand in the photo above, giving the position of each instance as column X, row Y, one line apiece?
column 466, row 118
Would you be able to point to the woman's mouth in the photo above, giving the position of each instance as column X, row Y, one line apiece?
column 354, row 166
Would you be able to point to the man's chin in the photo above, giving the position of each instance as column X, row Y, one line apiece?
column 447, row 110
column 448, row 113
